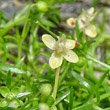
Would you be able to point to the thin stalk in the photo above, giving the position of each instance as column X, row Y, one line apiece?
column 56, row 83
column 11, row 24
column 95, row 60
column 23, row 36
column 60, row 106
column 46, row 29
column 19, row 51
column 64, row 74
column 102, row 97
column 100, row 69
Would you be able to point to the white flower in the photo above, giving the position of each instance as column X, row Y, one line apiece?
column 62, row 48
column 84, row 21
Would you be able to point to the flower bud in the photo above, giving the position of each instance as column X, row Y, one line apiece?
column 46, row 90
column 43, row 106
column 41, row 6
column 77, row 44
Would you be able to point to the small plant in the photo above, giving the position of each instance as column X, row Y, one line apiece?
column 61, row 49
column 84, row 21
column 72, row 74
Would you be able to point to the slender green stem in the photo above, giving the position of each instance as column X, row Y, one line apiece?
column 19, row 51
column 97, row 108
column 56, row 83
column 24, row 33
column 25, row 25
column 97, row 61
column 103, row 96
column 64, row 74
column 10, row 25
column 46, row 29
column 100, row 69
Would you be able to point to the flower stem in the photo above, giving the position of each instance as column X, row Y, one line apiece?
column 19, row 50
column 10, row 25
column 97, row 61
column 24, row 34
column 63, row 75
column 46, row 29
column 56, row 83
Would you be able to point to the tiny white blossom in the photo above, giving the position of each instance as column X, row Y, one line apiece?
column 84, row 21
column 62, row 49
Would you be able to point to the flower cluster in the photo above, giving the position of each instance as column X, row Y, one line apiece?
column 62, row 49
column 84, row 21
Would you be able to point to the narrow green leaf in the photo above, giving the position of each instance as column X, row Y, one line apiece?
column 107, row 108
column 15, row 91
column 18, row 34
column 89, row 43
column 20, row 61
column 71, row 99
column 94, row 4
column 83, row 81
column 48, row 23
column 102, row 79
column 4, row 91
column 103, row 96
column 87, row 84
column 23, row 94
column 54, row 18
column 42, row 68
column 27, row 82
column 45, row 28
column 46, row 54
column 53, row 107
column 79, row 34
column 77, row 29
column 10, row 37
column 3, row 103
column 80, row 39
column 8, row 81
column 14, row 104
column 22, row 11
column 11, row 45
column 3, row 76
column 7, row 67
column 85, row 107
column 96, row 61
column 25, row 30
column 60, row 98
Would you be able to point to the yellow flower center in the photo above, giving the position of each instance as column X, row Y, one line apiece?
column 60, row 45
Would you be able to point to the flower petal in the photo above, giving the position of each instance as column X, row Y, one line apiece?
column 70, row 44
column 82, row 21
column 90, row 10
column 49, row 41
column 90, row 30
column 93, row 16
column 71, row 56
column 71, row 22
column 55, row 60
